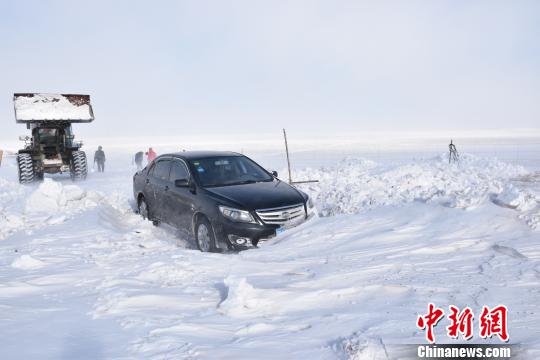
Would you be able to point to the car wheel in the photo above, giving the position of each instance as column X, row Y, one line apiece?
column 143, row 208
column 204, row 235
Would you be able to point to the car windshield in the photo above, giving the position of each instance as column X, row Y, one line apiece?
column 228, row 170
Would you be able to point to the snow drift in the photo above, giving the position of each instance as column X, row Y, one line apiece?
column 82, row 274
column 26, row 208
column 358, row 185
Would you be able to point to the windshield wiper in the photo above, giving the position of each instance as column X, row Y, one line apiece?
column 231, row 183
column 245, row 182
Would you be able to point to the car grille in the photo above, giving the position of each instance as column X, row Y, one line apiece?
column 284, row 215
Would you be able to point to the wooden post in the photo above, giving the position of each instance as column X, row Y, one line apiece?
column 1, row 154
column 288, row 160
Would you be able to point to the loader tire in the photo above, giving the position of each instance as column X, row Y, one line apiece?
column 78, row 166
column 26, row 168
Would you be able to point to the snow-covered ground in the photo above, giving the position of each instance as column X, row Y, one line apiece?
column 82, row 276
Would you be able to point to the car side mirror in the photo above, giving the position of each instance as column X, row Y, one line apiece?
column 274, row 173
column 182, row 182
column 24, row 138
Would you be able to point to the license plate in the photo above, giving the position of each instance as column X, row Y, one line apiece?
column 279, row 230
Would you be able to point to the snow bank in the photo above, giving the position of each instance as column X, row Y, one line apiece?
column 525, row 201
column 51, row 203
column 242, row 298
column 26, row 262
column 9, row 195
column 356, row 185
column 51, row 197
column 518, row 199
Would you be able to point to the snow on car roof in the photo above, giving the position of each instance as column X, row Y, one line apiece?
column 33, row 107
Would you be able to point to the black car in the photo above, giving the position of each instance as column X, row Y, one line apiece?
column 224, row 199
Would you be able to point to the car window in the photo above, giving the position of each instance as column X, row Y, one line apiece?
column 228, row 170
column 178, row 171
column 151, row 168
column 161, row 170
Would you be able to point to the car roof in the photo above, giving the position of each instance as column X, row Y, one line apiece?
column 193, row 155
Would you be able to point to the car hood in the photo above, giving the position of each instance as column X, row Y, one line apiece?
column 262, row 195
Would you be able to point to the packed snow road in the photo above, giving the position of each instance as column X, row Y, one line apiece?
column 82, row 276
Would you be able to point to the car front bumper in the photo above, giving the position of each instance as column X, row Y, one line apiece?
column 228, row 233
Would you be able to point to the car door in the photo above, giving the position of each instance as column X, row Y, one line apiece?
column 180, row 201
column 146, row 185
column 158, row 185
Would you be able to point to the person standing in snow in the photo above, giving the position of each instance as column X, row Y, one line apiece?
column 99, row 158
column 453, row 156
column 138, row 160
column 150, row 155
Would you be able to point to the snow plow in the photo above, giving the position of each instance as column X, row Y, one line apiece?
column 51, row 147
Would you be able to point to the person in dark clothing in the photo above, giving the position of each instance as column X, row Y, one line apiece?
column 99, row 158
column 453, row 155
column 139, row 159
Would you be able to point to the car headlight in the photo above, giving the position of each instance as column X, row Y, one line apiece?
column 236, row 214
column 310, row 203
column 310, row 207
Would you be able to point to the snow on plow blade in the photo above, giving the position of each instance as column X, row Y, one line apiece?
column 34, row 107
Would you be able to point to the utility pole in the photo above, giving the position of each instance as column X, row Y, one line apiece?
column 288, row 160
column 289, row 164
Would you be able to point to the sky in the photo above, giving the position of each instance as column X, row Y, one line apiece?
column 221, row 67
